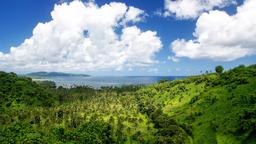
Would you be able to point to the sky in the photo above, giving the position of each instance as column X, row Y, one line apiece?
column 126, row 37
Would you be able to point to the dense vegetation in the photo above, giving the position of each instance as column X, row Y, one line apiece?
column 205, row 109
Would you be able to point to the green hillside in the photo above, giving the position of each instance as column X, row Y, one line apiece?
column 206, row 109
column 211, row 108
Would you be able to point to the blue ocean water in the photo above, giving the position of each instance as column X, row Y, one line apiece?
column 99, row 81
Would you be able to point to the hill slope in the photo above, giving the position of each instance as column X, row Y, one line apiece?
column 214, row 109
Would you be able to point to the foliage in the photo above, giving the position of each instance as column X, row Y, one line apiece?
column 219, row 69
column 22, row 90
column 91, row 132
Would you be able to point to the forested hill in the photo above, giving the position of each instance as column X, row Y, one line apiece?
column 206, row 109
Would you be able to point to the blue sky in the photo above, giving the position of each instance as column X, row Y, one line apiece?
column 19, row 18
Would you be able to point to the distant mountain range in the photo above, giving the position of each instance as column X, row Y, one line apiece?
column 53, row 74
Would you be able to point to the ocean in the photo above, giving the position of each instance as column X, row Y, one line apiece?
column 99, row 81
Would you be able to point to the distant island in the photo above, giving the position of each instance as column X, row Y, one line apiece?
column 53, row 74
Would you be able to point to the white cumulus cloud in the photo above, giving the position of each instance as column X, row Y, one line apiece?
column 86, row 37
column 220, row 36
column 189, row 9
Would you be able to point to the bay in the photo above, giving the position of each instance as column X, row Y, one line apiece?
column 99, row 81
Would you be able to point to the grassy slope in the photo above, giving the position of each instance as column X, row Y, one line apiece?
column 219, row 109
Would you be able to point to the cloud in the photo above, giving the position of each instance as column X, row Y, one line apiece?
column 190, row 9
column 86, row 37
column 172, row 58
column 153, row 70
column 159, row 12
column 220, row 36
column 134, row 15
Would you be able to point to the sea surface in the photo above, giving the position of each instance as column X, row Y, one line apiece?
column 99, row 81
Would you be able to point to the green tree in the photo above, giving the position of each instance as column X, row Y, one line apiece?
column 219, row 69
